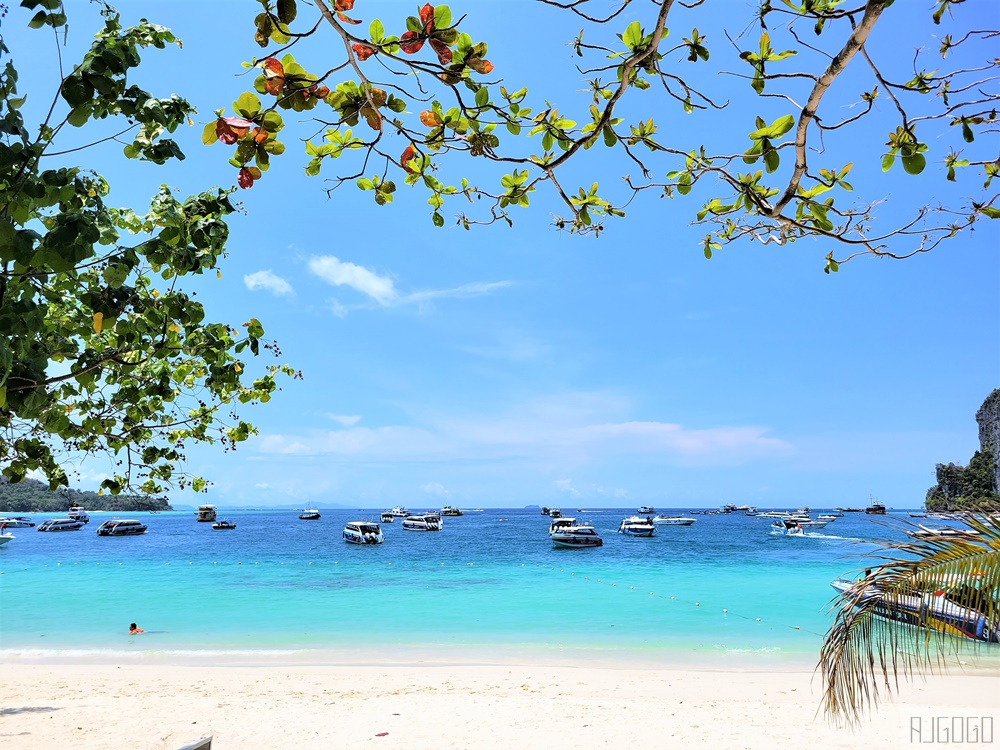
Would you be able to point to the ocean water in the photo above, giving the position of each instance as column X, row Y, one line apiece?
column 723, row 591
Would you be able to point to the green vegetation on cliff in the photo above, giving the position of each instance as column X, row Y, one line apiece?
column 31, row 496
column 965, row 487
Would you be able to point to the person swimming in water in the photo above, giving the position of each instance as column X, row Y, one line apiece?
column 133, row 629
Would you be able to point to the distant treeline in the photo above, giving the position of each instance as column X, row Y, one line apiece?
column 32, row 496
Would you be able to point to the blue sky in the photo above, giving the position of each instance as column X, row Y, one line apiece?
column 501, row 367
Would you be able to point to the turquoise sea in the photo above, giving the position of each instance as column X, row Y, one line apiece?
column 724, row 591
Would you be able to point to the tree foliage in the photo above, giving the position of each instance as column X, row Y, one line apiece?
column 965, row 487
column 398, row 104
column 102, row 350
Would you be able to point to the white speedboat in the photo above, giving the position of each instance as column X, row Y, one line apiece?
column 828, row 517
column 399, row 512
column 450, row 510
column 576, row 536
column 77, row 513
column 928, row 531
column 386, row 516
column 673, row 520
column 124, row 527
column 426, row 522
column 5, row 538
column 60, row 524
column 17, row 522
column 637, row 526
column 205, row 513
column 555, row 513
column 224, row 525
column 809, row 523
column 309, row 514
column 363, row 532
column 646, row 510
column 559, row 524
column 788, row 527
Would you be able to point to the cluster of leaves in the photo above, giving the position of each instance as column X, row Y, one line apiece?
column 469, row 114
column 103, row 352
column 965, row 487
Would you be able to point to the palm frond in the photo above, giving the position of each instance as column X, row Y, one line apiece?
column 877, row 636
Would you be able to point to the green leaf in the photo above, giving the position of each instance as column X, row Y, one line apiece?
column 442, row 17
column 208, row 135
column 286, row 11
column 887, row 161
column 482, row 97
column 771, row 160
column 633, row 35
column 38, row 20
column 248, row 105
column 914, row 164
column 365, row 184
column 438, row 219
column 376, row 32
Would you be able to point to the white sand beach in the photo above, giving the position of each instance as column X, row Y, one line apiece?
column 147, row 707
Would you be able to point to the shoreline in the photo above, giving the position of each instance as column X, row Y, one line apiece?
column 163, row 707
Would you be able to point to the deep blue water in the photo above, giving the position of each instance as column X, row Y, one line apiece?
column 280, row 584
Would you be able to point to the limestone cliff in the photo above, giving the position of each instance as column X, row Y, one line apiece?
column 988, row 418
column 961, row 487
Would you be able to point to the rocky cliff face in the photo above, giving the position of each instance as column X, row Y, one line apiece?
column 988, row 418
column 967, row 487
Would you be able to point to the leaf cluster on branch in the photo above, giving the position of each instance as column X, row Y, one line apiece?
column 102, row 351
column 399, row 112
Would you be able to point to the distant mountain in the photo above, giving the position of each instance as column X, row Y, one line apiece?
column 32, row 496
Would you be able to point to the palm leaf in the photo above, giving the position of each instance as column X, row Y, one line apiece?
column 866, row 651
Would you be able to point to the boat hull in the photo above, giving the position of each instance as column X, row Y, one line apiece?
column 575, row 542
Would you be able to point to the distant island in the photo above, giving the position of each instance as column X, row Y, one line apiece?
column 975, row 486
column 32, row 496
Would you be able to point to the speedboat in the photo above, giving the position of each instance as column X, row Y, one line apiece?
column 927, row 531
column 60, row 524
column 5, row 538
column 450, row 510
column 386, row 516
column 125, row 527
column 808, row 523
column 17, row 522
column 426, row 522
column 637, row 526
column 828, row 517
column 662, row 520
column 555, row 513
column 205, row 513
column 77, row 513
column 931, row 610
column 558, row 524
column 399, row 512
column 309, row 514
column 545, row 510
column 788, row 527
column 362, row 532
column 575, row 536
column 728, row 508
column 646, row 510
column 223, row 525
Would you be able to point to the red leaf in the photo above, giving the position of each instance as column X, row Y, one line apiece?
column 273, row 66
column 480, row 66
column 274, row 75
column 345, row 19
column 363, row 51
column 427, row 16
column 410, row 43
column 322, row 92
column 430, row 118
column 343, row 5
column 408, row 153
column 443, row 53
column 231, row 129
column 245, row 179
column 259, row 135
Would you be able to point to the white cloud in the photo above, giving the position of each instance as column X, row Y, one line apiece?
column 565, row 432
column 566, row 485
column 434, row 488
column 348, row 420
column 340, row 273
column 269, row 281
column 382, row 289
